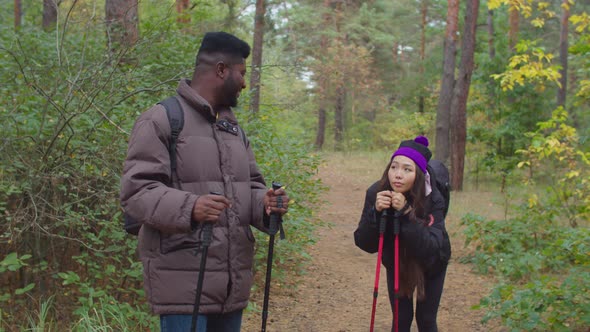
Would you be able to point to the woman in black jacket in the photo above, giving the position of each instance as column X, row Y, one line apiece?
column 424, row 249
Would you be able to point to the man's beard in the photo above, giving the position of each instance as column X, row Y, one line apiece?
column 230, row 91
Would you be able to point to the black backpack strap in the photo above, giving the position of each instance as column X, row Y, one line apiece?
column 432, row 172
column 176, row 119
column 439, row 177
column 244, row 138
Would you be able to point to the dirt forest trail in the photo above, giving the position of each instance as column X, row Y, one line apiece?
column 335, row 294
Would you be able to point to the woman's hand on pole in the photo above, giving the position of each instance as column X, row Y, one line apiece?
column 383, row 200
column 398, row 201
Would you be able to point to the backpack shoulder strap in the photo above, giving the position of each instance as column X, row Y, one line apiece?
column 439, row 176
column 432, row 173
column 176, row 119
column 244, row 138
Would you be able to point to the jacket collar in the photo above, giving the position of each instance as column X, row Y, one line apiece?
column 202, row 106
column 195, row 101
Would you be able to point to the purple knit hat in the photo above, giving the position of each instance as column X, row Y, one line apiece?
column 417, row 150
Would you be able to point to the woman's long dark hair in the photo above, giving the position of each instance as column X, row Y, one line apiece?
column 412, row 273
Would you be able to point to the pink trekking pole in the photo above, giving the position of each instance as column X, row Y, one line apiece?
column 382, row 224
column 396, row 229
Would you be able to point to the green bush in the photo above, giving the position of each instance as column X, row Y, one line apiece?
column 541, row 254
column 546, row 303
column 294, row 165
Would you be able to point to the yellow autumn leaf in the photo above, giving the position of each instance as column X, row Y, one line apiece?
column 533, row 201
column 494, row 4
column 543, row 5
column 538, row 22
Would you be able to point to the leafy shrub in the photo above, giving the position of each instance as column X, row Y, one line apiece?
column 546, row 303
column 541, row 254
column 293, row 164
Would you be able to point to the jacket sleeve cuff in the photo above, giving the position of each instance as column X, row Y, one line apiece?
column 188, row 212
column 259, row 218
column 376, row 216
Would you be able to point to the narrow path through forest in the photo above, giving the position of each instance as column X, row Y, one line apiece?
column 335, row 294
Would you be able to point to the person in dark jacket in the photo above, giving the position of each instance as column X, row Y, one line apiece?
column 212, row 157
column 424, row 249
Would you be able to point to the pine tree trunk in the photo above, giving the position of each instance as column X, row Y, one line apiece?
column 424, row 12
column 563, row 53
column 443, row 110
column 257, row 56
column 323, row 85
column 459, row 104
column 514, row 22
column 321, row 133
column 340, row 104
column 339, row 118
column 121, row 24
column 490, row 23
column 491, row 52
column 395, row 60
column 512, row 40
column 18, row 14
column 491, row 81
column 181, row 8
column 49, row 14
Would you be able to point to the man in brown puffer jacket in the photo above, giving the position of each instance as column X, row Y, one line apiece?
column 210, row 158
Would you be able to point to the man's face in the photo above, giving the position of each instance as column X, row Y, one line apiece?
column 233, row 84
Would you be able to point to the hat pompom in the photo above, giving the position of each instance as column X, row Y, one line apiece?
column 422, row 140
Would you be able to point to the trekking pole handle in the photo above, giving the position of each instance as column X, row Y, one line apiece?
column 396, row 222
column 275, row 217
column 383, row 221
column 207, row 234
column 207, row 231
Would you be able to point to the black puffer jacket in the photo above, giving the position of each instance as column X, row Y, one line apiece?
column 428, row 243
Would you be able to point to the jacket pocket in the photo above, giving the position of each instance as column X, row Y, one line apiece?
column 179, row 241
column 250, row 234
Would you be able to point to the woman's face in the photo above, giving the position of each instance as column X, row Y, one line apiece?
column 402, row 174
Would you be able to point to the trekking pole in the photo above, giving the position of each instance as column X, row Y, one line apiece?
column 206, row 232
column 382, row 224
column 396, row 230
column 274, row 226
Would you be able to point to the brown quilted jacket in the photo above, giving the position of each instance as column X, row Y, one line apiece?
column 208, row 159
